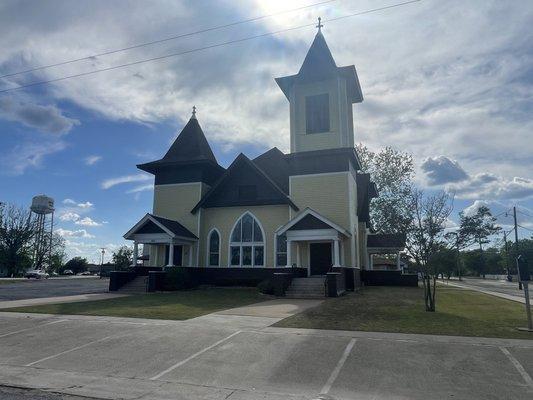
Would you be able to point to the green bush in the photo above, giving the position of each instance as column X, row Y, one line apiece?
column 178, row 279
column 266, row 286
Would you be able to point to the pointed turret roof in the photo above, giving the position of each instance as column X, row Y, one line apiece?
column 190, row 147
column 320, row 65
column 318, row 60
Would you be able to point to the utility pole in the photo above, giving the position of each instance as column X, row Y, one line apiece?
column 102, row 261
column 506, row 255
column 516, row 241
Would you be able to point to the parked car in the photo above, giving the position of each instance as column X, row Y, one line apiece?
column 84, row 273
column 68, row 272
column 37, row 274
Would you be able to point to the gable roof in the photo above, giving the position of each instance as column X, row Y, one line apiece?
column 243, row 163
column 274, row 163
column 310, row 216
column 318, row 65
column 168, row 226
column 191, row 146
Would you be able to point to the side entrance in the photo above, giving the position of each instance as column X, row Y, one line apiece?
column 320, row 258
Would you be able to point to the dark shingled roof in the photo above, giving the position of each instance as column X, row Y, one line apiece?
column 175, row 227
column 383, row 240
column 190, row 146
column 275, row 165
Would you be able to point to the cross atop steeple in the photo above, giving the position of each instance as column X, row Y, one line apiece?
column 320, row 25
column 193, row 116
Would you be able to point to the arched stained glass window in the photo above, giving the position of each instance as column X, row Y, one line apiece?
column 247, row 247
column 214, row 249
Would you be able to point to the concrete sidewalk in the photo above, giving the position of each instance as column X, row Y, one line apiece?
column 59, row 299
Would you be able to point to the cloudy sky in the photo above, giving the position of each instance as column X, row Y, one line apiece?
column 449, row 81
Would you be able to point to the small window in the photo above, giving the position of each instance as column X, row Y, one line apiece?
column 214, row 249
column 247, row 192
column 317, row 113
column 281, row 250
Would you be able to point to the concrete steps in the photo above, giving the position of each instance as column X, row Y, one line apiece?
column 138, row 285
column 306, row 288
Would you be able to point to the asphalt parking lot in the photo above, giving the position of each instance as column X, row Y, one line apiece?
column 240, row 357
column 40, row 288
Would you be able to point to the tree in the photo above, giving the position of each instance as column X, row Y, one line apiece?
column 425, row 237
column 57, row 261
column 392, row 172
column 477, row 228
column 17, row 232
column 76, row 264
column 122, row 258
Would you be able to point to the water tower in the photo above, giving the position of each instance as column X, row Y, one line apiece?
column 43, row 208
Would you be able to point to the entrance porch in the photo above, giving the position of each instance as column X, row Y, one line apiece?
column 170, row 243
column 316, row 239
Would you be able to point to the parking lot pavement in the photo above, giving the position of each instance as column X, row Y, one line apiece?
column 53, row 287
column 243, row 358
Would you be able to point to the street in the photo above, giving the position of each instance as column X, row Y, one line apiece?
column 498, row 286
column 238, row 356
column 39, row 288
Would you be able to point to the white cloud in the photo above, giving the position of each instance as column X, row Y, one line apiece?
column 87, row 222
column 85, row 205
column 69, row 216
column 91, row 160
column 109, row 183
column 28, row 155
column 141, row 188
column 494, row 187
column 80, row 233
column 69, row 201
column 474, row 207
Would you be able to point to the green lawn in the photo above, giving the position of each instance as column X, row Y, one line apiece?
column 401, row 309
column 175, row 305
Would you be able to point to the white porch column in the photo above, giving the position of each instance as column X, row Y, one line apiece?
column 298, row 261
column 336, row 253
column 190, row 255
column 371, row 260
column 170, row 255
column 289, row 245
column 398, row 261
column 135, row 254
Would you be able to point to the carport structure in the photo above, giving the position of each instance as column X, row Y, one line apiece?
column 169, row 238
column 384, row 244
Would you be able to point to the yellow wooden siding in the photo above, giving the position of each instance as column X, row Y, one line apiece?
column 223, row 218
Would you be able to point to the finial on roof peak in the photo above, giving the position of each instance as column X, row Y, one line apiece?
column 193, row 116
column 320, row 25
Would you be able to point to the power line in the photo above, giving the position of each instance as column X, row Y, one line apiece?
column 524, row 213
column 527, row 229
column 203, row 48
column 180, row 36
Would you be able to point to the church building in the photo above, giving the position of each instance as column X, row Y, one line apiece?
column 307, row 210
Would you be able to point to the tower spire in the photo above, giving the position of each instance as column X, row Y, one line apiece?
column 320, row 25
column 193, row 116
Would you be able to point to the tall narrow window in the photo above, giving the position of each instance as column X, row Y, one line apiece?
column 247, row 247
column 214, row 249
column 281, row 250
column 317, row 113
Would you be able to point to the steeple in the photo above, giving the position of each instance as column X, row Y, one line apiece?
column 191, row 144
column 321, row 95
column 189, row 158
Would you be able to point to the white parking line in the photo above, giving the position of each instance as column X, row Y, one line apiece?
column 518, row 366
column 33, row 327
column 338, row 367
column 193, row 356
column 70, row 350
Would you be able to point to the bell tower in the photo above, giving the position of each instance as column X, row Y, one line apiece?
column 320, row 100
